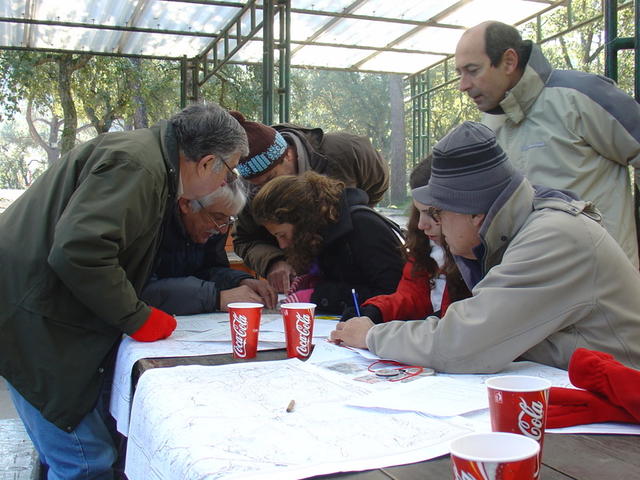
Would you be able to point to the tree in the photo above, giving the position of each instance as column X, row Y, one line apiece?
column 17, row 152
column 54, row 127
column 398, row 164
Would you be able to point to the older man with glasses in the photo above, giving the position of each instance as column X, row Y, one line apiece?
column 192, row 273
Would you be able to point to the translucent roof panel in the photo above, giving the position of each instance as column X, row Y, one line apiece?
column 421, row 10
column 363, row 32
column 433, row 39
column 403, row 36
column 507, row 11
column 400, row 62
column 335, row 57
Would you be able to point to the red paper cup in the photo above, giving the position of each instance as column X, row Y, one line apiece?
column 244, row 319
column 495, row 456
column 298, row 328
column 519, row 404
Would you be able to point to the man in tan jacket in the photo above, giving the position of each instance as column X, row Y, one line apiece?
column 546, row 278
column 562, row 128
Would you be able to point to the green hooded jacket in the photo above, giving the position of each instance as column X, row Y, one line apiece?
column 75, row 251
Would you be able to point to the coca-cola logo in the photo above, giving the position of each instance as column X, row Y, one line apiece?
column 239, row 325
column 303, row 327
column 531, row 419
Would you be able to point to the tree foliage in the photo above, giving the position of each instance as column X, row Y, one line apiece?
column 67, row 98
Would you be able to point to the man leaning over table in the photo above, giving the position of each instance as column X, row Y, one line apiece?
column 562, row 128
column 75, row 251
column 546, row 278
column 192, row 273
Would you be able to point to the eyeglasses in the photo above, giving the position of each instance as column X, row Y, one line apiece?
column 210, row 216
column 219, row 226
column 232, row 175
column 393, row 371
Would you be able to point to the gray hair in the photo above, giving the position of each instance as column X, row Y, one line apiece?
column 232, row 196
column 209, row 130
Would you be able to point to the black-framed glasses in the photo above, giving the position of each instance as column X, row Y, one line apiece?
column 232, row 175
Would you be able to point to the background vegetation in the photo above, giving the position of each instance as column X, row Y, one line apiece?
column 51, row 102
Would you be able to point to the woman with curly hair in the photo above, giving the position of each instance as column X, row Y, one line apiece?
column 430, row 279
column 333, row 244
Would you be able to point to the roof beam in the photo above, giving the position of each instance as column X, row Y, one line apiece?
column 225, row 35
column 94, row 26
column 330, row 23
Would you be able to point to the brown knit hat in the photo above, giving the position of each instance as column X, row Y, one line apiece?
column 266, row 147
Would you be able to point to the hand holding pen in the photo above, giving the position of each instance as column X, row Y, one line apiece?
column 356, row 303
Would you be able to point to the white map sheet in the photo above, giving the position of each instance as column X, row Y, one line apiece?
column 230, row 422
column 204, row 334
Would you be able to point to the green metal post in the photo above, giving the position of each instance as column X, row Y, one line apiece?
column 267, row 62
column 284, row 47
column 610, row 35
column 183, row 82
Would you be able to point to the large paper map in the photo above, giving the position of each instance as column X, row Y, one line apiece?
column 231, row 422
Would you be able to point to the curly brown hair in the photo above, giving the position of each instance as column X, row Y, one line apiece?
column 309, row 202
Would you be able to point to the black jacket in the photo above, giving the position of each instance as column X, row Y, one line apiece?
column 189, row 276
column 360, row 251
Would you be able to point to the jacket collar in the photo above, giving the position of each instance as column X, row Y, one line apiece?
column 513, row 208
column 170, row 152
column 504, row 220
column 522, row 96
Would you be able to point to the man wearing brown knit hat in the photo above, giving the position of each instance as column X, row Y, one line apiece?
column 546, row 277
column 287, row 149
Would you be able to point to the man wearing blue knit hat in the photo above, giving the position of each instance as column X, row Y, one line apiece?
column 287, row 149
column 546, row 277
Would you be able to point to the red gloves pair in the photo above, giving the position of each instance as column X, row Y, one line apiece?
column 158, row 325
column 612, row 392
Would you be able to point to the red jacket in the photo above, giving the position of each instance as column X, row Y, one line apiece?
column 411, row 300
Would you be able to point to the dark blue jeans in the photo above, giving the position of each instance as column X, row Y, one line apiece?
column 85, row 453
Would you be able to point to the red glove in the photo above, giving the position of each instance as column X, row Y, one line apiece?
column 158, row 325
column 568, row 407
column 299, row 296
column 601, row 373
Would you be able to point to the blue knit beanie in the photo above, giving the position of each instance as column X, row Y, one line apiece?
column 469, row 171
column 266, row 147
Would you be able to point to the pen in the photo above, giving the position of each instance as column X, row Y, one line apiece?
column 355, row 301
column 291, row 406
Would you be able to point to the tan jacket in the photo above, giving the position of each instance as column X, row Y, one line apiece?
column 575, row 131
column 553, row 280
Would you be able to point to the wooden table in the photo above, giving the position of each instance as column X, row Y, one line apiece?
column 579, row 457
